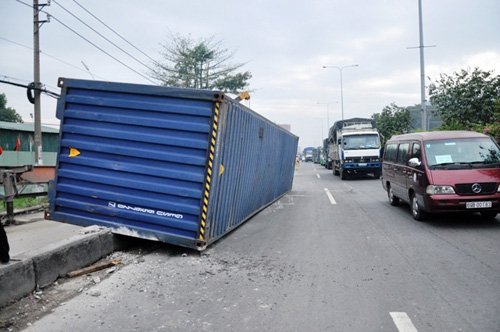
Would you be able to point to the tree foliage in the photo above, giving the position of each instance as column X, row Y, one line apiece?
column 201, row 64
column 493, row 127
column 393, row 120
column 466, row 99
column 8, row 114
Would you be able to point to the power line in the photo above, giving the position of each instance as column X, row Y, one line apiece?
column 88, row 26
column 24, row 3
column 29, row 86
column 88, row 41
column 13, row 42
column 48, row 55
column 116, row 33
column 100, row 49
column 15, row 78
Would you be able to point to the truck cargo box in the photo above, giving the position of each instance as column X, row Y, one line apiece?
column 182, row 166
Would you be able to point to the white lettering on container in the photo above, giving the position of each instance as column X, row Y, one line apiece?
column 145, row 210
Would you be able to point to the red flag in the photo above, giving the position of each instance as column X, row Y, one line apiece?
column 18, row 144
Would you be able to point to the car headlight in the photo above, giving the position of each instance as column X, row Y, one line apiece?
column 440, row 190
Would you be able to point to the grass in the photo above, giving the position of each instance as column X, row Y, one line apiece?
column 22, row 203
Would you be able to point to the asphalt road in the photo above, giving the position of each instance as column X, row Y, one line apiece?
column 331, row 255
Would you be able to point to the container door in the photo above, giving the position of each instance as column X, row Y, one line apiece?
column 133, row 158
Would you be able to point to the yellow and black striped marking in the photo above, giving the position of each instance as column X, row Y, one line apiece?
column 209, row 173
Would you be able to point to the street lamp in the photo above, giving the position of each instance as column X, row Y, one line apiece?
column 341, row 88
column 86, row 67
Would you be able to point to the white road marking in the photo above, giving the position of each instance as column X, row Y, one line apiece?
column 330, row 197
column 403, row 322
column 319, row 177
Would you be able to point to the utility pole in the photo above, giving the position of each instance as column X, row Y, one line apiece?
column 422, row 69
column 423, row 101
column 37, row 85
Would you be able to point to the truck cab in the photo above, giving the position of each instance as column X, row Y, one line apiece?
column 355, row 148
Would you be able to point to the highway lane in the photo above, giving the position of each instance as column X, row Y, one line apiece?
column 444, row 272
column 330, row 255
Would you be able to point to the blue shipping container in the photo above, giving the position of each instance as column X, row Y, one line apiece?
column 181, row 166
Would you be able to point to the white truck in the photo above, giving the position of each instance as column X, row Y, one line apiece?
column 354, row 148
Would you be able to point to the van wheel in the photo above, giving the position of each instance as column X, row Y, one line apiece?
column 393, row 200
column 488, row 215
column 416, row 211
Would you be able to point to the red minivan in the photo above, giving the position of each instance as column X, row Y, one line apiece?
column 443, row 171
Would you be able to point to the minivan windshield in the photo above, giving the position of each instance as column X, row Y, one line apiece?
column 365, row 141
column 468, row 152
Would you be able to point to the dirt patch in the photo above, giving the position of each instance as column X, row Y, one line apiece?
column 22, row 313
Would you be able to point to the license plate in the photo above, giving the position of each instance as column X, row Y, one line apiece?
column 363, row 164
column 477, row 205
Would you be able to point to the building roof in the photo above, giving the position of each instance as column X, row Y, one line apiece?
column 25, row 127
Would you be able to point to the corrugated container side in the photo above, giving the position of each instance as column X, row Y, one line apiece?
column 255, row 166
column 162, row 163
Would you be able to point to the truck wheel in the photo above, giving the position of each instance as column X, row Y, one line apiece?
column 377, row 174
column 335, row 169
column 343, row 174
column 416, row 211
column 393, row 200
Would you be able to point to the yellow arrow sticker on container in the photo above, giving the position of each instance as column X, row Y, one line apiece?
column 221, row 170
column 73, row 152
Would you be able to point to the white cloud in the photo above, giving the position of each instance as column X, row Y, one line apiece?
column 489, row 60
column 378, row 38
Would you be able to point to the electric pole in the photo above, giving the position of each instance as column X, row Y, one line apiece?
column 422, row 69
column 423, row 101
column 37, row 85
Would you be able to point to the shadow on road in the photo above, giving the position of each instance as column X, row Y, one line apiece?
column 462, row 221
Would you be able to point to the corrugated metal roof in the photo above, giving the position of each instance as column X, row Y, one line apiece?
column 25, row 127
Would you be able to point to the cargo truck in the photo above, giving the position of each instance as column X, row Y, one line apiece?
column 354, row 147
column 308, row 153
column 316, row 155
column 326, row 155
column 181, row 166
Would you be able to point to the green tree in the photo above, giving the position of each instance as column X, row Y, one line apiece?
column 393, row 120
column 201, row 64
column 466, row 99
column 8, row 114
column 493, row 127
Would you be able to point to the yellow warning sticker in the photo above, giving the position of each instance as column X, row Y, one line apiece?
column 73, row 152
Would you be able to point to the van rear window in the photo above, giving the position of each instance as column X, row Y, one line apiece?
column 391, row 152
column 403, row 153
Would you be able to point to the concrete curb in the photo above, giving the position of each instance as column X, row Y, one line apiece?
column 43, row 266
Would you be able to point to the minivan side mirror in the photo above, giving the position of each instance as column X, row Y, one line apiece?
column 414, row 162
